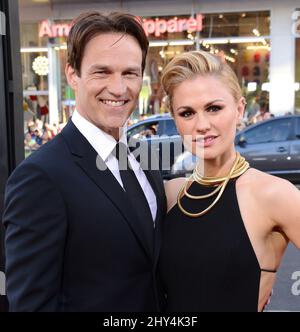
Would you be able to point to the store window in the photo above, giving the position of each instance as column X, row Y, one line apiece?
column 242, row 39
column 43, row 49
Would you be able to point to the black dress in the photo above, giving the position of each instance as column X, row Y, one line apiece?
column 208, row 263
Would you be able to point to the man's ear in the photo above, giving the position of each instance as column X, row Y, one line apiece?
column 71, row 76
column 241, row 108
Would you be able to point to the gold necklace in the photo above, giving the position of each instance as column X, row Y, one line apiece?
column 239, row 167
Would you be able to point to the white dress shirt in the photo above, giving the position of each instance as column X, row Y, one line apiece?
column 104, row 145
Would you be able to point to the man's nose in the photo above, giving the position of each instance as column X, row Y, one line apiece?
column 117, row 85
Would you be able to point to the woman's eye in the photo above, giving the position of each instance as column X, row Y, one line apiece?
column 214, row 108
column 185, row 114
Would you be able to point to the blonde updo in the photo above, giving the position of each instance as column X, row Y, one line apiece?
column 190, row 64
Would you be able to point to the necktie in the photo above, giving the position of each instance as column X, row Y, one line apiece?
column 132, row 186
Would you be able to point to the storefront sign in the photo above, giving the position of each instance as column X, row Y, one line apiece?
column 296, row 23
column 54, row 30
column 154, row 27
column 160, row 26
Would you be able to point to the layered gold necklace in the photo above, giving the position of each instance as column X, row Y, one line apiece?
column 239, row 167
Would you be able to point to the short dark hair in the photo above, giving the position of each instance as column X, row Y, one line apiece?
column 90, row 24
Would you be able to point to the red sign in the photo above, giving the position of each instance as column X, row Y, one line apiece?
column 54, row 30
column 160, row 26
column 151, row 26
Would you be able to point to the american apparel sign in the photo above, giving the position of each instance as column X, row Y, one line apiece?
column 156, row 26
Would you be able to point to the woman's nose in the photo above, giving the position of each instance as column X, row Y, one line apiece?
column 202, row 123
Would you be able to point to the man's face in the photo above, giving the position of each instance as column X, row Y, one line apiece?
column 110, row 82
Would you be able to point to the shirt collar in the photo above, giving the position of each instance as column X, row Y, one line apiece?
column 102, row 142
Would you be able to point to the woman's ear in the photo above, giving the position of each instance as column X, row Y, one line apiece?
column 71, row 76
column 241, row 108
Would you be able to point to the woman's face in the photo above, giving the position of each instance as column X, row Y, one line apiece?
column 206, row 116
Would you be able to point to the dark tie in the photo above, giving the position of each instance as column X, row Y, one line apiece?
column 132, row 186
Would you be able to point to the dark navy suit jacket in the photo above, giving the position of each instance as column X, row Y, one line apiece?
column 73, row 242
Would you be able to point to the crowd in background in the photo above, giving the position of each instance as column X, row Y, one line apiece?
column 38, row 131
column 256, row 111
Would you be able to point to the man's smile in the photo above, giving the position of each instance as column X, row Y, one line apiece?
column 114, row 103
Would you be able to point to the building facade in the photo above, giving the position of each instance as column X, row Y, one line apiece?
column 259, row 39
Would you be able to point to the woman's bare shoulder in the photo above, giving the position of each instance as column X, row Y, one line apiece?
column 265, row 185
column 278, row 198
column 172, row 188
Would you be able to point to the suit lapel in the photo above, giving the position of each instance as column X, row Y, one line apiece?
column 161, row 210
column 88, row 160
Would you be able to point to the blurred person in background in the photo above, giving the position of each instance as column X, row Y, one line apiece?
column 252, row 109
column 268, row 115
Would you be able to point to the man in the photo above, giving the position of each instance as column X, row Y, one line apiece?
column 75, row 239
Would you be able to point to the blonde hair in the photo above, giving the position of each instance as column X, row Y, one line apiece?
column 190, row 64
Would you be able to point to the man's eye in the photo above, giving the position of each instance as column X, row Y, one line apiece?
column 101, row 72
column 131, row 74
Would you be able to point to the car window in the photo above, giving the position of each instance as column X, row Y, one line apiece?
column 144, row 130
column 273, row 131
column 170, row 128
column 298, row 128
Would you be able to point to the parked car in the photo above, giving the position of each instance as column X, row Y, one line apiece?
column 159, row 131
column 272, row 146
column 162, row 123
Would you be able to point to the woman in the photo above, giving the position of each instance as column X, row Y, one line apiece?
column 228, row 225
